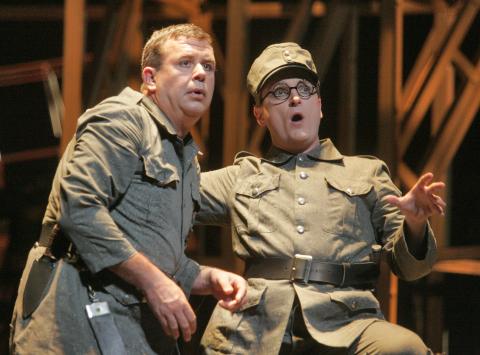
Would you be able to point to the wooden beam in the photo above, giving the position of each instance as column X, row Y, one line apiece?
column 347, row 116
column 452, row 133
column 31, row 154
column 430, row 87
column 299, row 24
column 328, row 34
column 73, row 53
column 236, row 96
column 389, row 79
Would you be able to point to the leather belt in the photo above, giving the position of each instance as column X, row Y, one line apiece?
column 302, row 268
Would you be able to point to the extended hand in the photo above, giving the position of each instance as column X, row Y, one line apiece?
column 422, row 200
column 229, row 288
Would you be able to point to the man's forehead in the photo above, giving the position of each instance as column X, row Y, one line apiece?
column 284, row 81
column 189, row 43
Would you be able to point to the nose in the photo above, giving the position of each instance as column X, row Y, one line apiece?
column 199, row 73
column 295, row 99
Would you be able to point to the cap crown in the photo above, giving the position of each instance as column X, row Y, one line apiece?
column 281, row 58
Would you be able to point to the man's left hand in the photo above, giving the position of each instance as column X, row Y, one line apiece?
column 229, row 288
column 422, row 201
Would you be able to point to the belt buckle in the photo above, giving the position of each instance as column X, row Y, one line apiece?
column 307, row 262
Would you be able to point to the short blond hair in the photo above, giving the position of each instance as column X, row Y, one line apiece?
column 152, row 51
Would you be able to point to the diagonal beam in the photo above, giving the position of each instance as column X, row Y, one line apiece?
column 299, row 23
column 417, row 113
column 426, row 59
column 328, row 34
column 448, row 141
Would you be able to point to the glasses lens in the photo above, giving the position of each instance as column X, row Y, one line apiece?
column 281, row 92
column 304, row 90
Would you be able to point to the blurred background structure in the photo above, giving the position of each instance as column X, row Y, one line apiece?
column 399, row 79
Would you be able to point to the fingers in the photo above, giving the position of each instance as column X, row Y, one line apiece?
column 172, row 309
column 235, row 299
column 425, row 179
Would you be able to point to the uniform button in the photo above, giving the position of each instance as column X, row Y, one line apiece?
column 301, row 158
column 36, row 245
column 303, row 175
column 349, row 191
column 354, row 304
column 256, row 191
column 301, row 201
column 300, row 229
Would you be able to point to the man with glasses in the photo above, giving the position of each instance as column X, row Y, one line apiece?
column 310, row 224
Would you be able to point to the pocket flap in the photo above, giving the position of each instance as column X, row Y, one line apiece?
column 255, row 292
column 355, row 300
column 160, row 171
column 258, row 184
column 349, row 187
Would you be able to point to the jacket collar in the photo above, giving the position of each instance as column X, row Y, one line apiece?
column 162, row 121
column 157, row 114
column 324, row 151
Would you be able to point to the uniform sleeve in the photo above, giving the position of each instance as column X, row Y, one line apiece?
column 216, row 192
column 99, row 171
column 390, row 227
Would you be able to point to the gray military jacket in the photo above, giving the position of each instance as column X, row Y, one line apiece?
column 318, row 203
column 125, row 184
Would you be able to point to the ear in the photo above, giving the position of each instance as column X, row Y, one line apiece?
column 148, row 77
column 258, row 113
column 321, row 112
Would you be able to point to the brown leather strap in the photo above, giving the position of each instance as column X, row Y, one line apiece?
column 303, row 269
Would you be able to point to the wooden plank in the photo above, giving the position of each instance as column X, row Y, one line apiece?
column 431, row 85
column 73, row 53
column 449, row 139
column 235, row 123
column 347, row 115
column 390, row 55
column 459, row 266
column 31, row 154
column 328, row 34
column 236, row 96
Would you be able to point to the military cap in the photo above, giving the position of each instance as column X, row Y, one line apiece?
column 280, row 61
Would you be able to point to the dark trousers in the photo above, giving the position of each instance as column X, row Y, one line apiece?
column 381, row 337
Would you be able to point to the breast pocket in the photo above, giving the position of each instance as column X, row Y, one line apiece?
column 345, row 198
column 159, row 187
column 255, row 203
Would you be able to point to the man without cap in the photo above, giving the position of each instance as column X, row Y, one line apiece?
column 109, row 271
column 309, row 223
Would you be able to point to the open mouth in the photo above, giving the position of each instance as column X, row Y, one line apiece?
column 198, row 92
column 297, row 117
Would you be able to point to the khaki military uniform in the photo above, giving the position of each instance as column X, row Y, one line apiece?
column 126, row 184
column 318, row 203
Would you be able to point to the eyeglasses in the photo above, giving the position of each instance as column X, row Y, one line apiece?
column 282, row 91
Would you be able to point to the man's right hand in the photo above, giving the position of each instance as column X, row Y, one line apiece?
column 172, row 309
column 164, row 296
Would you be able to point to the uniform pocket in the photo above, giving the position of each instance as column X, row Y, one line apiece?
column 228, row 331
column 341, row 208
column 356, row 301
column 255, row 201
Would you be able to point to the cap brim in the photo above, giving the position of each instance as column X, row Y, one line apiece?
column 288, row 71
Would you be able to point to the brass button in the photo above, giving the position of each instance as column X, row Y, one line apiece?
column 354, row 304
column 301, row 201
column 256, row 191
column 303, row 175
column 301, row 158
column 300, row 229
column 349, row 191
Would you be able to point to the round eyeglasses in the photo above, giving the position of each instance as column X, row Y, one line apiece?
column 281, row 92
